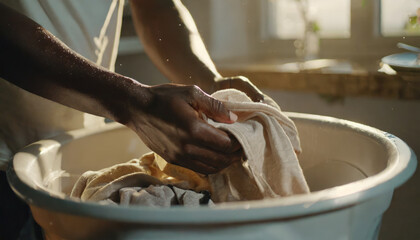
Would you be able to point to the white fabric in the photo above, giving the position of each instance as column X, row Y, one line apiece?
column 91, row 28
column 269, row 139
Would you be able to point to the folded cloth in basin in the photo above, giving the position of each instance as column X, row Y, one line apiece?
column 271, row 168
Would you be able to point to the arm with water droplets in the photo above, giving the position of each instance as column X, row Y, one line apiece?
column 171, row 39
column 167, row 117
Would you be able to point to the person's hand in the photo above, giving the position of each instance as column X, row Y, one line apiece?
column 241, row 83
column 171, row 124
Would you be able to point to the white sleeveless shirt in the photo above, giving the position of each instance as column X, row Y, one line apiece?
column 91, row 28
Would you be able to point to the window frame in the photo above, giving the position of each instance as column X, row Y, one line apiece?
column 365, row 37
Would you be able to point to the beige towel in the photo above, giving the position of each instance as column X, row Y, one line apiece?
column 269, row 139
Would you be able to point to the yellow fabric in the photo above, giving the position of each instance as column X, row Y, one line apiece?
column 177, row 174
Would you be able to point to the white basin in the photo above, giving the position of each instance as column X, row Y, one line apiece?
column 352, row 170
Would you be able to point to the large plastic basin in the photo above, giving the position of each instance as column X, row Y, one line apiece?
column 352, row 170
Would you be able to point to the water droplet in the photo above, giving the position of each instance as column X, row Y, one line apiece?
column 160, row 39
column 167, row 59
column 403, row 37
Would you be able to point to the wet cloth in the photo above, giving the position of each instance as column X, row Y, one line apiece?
column 270, row 142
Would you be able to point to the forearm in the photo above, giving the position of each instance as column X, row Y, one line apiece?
column 36, row 61
column 172, row 41
column 166, row 117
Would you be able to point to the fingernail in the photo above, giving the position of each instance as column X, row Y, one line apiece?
column 233, row 117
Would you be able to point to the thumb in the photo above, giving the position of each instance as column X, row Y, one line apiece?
column 213, row 108
column 243, row 84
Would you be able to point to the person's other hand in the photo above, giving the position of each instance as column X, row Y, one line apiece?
column 241, row 83
column 172, row 126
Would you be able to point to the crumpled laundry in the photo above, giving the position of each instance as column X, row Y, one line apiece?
column 142, row 182
column 163, row 196
column 271, row 169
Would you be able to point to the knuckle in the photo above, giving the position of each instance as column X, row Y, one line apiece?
column 194, row 90
column 195, row 130
column 194, row 95
column 188, row 149
column 226, row 145
column 216, row 105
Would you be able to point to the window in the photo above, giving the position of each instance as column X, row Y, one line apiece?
column 330, row 17
column 344, row 28
column 400, row 18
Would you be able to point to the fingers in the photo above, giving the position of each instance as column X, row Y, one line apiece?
column 211, row 107
column 243, row 84
column 204, row 133
column 176, row 131
column 210, row 149
column 197, row 129
column 213, row 138
column 246, row 86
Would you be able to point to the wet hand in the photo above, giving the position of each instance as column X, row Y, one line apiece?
column 171, row 124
